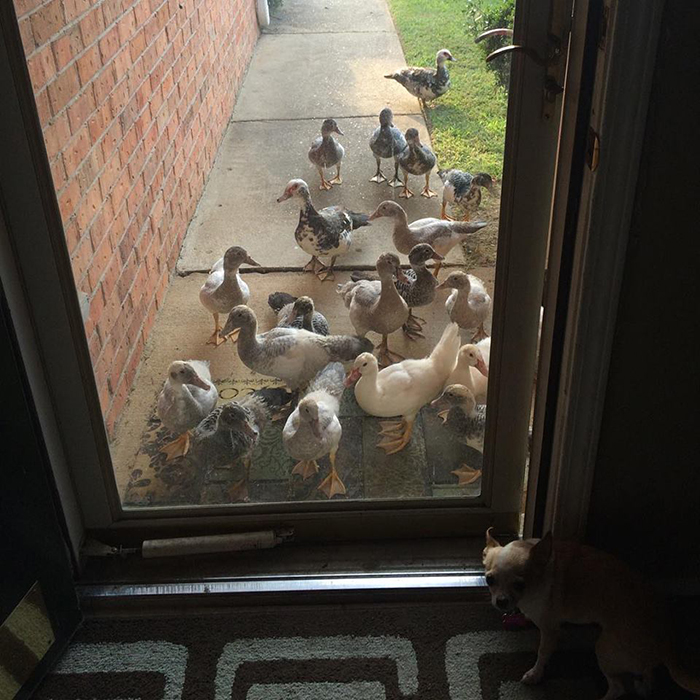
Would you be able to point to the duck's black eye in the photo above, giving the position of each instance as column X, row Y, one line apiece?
column 364, row 364
column 490, row 580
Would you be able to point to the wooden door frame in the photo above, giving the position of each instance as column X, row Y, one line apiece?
column 593, row 221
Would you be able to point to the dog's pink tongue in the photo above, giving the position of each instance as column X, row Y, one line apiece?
column 515, row 621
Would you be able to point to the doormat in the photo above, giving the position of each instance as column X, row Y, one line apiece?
column 438, row 651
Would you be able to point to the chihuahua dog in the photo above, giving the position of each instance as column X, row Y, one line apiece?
column 553, row 582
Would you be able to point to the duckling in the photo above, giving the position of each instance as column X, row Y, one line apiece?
column 325, row 152
column 313, row 429
column 442, row 235
column 417, row 159
column 426, row 83
column 404, row 388
column 322, row 233
column 467, row 421
column 224, row 288
column 376, row 305
column 463, row 189
column 469, row 304
column 387, row 142
column 186, row 397
column 470, row 365
column 291, row 354
column 231, row 431
column 418, row 289
column 293, row 312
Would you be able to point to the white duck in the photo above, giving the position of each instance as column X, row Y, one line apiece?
column 186, row 398
column 404, row 388
column 313, row 429
column 469, row 305
column 470, row 364
column 224, row 289
column 481, row 379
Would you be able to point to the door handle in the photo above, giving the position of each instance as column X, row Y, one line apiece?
column 553, row 48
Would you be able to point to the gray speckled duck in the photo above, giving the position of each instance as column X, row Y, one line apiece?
column 326, row 152
column 426, row 83
column 466, row 421
column 376, row 305
column 297, row 312
column 313, row 429
column 325, row 233
column 463, row 189
column 387, row 142
column 417, row 159
column 231, row 431
column 442, row 235
column 290, row 354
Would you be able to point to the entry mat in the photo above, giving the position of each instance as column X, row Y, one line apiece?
column 438, row 651
column 423, row 468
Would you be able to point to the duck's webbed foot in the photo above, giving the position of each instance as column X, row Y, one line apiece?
column 427, row 192
column 177, row 448
column 332, row 485
column 480, row 334
column 385, row 356
column 379, row 175
column 326, row 273
column 412, row 332
column 305, row 469
column 337, row 180
column 405, row 192
column 466, row 475
column 395, row 442
column 312, row 265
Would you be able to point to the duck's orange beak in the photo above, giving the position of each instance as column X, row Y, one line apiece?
column 352, row 377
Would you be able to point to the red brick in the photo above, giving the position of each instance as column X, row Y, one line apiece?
column 67, row 46
column 88, row 171
column 112, row 10
column 103, row 84
column 109, row 44
column 63, row 89
column 58, row 173
column 99, row 121
column 68, row 199
column 75, row 8
column 23, row 7
column 81, row 109
column 88, row 64
column 91, row 26
column 76, row 151
column 43, row 107
column 80, row 260
column 42, row 67
column 119, row 98
column 47, row 21
column 126, row 26
column 110, row 174
column 111, row 138
column 100, row 262
column 72, row 234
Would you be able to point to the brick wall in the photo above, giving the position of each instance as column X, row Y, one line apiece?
column 133, row 97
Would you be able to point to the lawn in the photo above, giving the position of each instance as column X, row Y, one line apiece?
column 467, row 125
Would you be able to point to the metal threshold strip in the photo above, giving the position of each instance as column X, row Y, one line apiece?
column 290, row 585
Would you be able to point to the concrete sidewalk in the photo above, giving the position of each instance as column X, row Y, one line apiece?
column 318, row 59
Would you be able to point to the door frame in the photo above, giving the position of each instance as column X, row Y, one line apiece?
column 42, row 293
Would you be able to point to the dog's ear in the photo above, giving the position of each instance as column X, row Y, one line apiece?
column 490, row 540
column 540, row 553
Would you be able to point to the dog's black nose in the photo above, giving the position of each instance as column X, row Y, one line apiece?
column 503, row 603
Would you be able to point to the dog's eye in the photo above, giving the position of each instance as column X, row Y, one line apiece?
column 490, row 580
column 519, row 586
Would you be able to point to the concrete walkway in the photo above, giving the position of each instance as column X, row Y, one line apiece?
column 319, row 58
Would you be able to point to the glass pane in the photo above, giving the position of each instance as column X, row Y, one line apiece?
column 194, row 168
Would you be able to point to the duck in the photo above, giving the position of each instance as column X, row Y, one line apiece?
column 291, row 354
column 480, row 379
column 426, row 83
column 402, row 389
column 187, row 396
column 387, row 141
column 297, row 312
column 466, row 421
column 224, row 288
column 231, row 431
column 442, row 235
column 416, row 159
column 418, row 289
column 470, row 365
column 376, row 305
column 326, row 152
column 322, row 234
column 469, row 304
column 463, row 189
column 313, row 429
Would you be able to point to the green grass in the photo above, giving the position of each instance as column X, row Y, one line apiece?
column 467, row 125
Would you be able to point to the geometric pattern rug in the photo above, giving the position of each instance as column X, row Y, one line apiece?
column 438, row 651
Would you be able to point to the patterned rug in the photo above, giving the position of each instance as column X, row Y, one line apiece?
column 382, row 652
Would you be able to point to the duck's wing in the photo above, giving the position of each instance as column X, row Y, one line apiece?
column 319, row 323
column 329, row 380
column 365, row 292
column 334, row 223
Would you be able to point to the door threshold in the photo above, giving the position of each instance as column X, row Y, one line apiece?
column 100, row 599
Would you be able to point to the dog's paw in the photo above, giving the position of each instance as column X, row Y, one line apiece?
column 532, row 677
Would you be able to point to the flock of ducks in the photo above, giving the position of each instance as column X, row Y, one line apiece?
column 300, row 350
